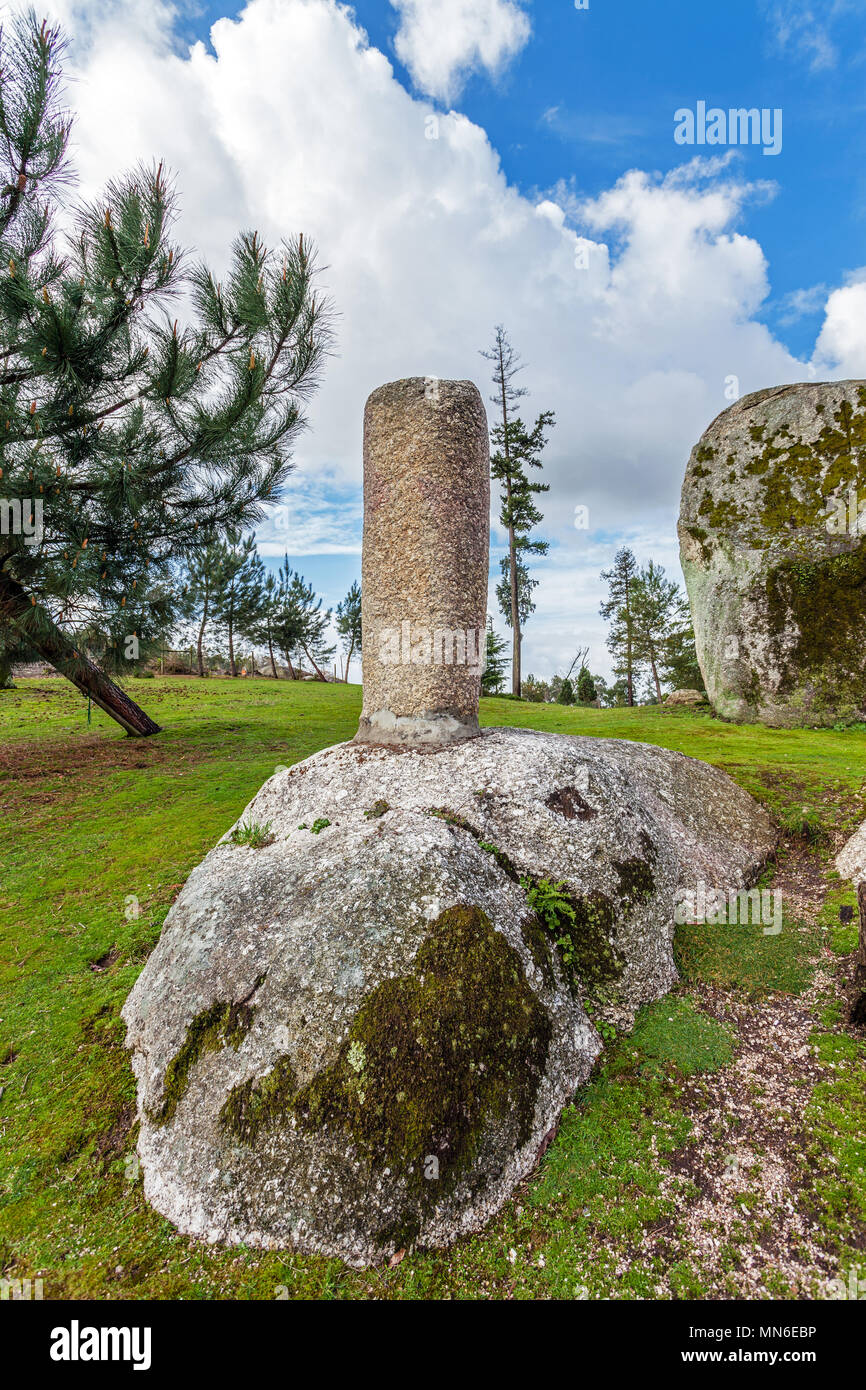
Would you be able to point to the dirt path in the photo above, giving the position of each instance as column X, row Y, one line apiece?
column 750, row 1228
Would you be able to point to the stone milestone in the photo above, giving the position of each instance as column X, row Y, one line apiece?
column 774, row 555
column 425, row 561
column 373, row 998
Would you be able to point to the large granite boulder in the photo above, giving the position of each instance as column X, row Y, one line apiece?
column 773, row 557
column 359, row 1034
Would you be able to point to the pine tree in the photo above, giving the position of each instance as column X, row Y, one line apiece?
column 262, row 610
column 657, row 605
column 618, row 610
column 586, row 690
column 301, row 625
column 348, row 622
column 287, row 619
column 514, row 449
column 664, row 639
column 234, row 593
column 313, row 624
column 680, row 659
column 203, row 582
column 137, row 438
column 493, row 675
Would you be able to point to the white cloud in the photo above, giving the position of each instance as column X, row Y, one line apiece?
column 442, row 41
column 810, row 31
column 798, row 304
column 320, row 513
column 841, row 346
column 292, row 121
column 798, row 29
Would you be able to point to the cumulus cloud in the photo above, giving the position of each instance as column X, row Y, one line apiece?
column 632, row 310
column 442, row 41
column 841, row 346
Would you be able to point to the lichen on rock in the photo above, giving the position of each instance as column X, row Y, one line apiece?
column 348, row 1041
column 433, row 1057
column 774, row 558
column 221, row 1024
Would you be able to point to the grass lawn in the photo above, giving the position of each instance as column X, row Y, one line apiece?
column 99, row 834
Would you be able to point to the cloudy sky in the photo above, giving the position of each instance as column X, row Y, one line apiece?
column 462, row 163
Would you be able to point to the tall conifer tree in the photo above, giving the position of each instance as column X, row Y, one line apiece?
column 514, row 450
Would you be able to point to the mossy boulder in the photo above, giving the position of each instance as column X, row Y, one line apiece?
column 358, row 1040
column 773, row 555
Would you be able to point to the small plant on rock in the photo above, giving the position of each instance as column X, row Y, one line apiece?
column 252, row 834
column 553, row 907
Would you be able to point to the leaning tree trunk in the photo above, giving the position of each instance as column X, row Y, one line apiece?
column 320, row 676
column 17, row 608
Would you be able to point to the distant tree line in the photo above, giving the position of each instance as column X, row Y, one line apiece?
column 230, row 596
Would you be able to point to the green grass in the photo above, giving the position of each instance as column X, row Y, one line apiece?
column 742, row 957
column 674, row 1034
column 99, row 834
column 836, row 1115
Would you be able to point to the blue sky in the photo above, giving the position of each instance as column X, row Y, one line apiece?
column 594, row 91
column 556, row 131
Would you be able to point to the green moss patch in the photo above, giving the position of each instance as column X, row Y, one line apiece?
column 222, row 1024
column 259, row 1102
column 826, row 602
column 796, row 478
column 434, row 1058
column 538, row 943
column 636, row 880
column 582, row 928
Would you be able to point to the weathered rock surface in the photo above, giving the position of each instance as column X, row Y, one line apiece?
column 851, row 859
column 773, row 558
column 359, row 1035
column 686, row 697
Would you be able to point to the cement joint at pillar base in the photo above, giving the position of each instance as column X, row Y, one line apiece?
column 432, row 729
